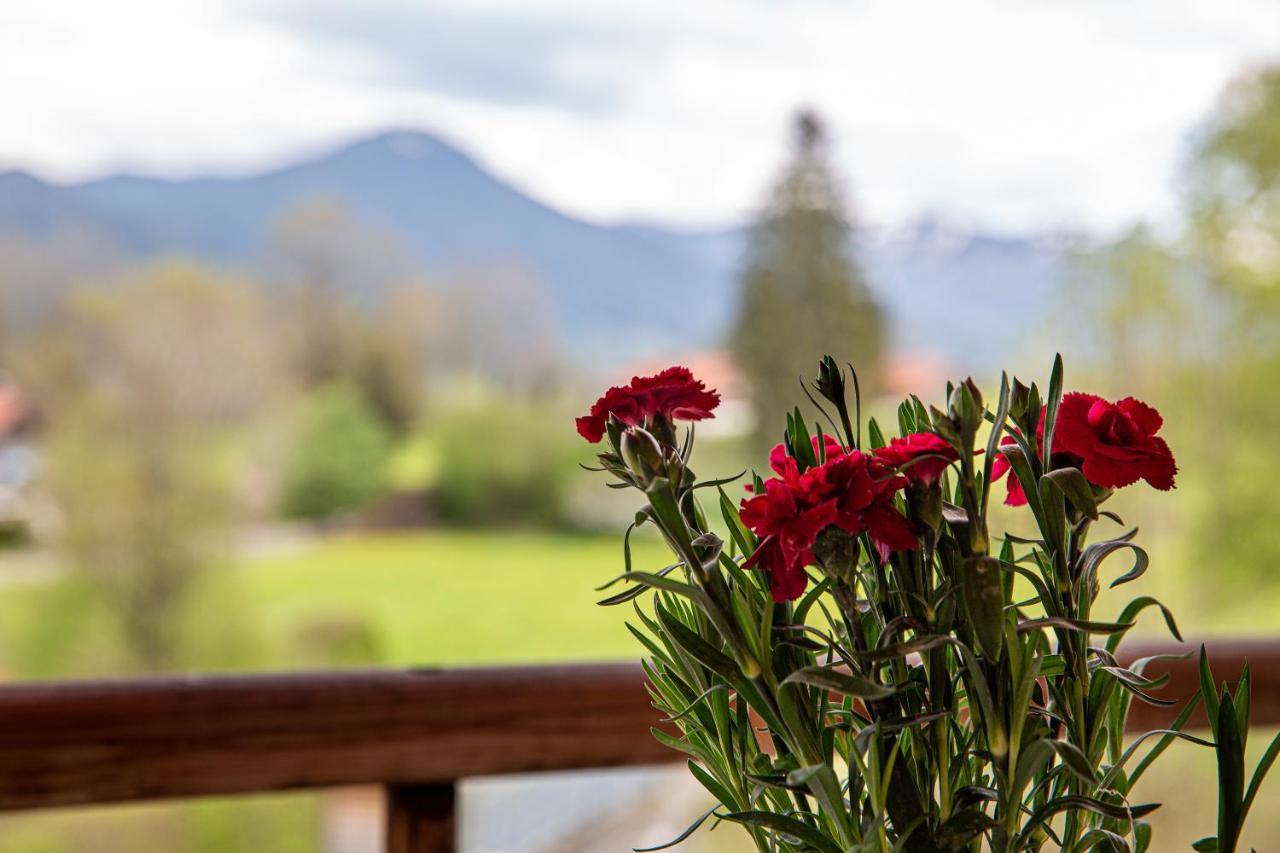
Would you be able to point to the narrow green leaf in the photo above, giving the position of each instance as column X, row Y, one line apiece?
column 901, row 650
column 841, row 682
column 1103, row 839
column 993, row 439
column 1230, row 774
column 1062, row 804
column 692, row 706
column 1130, row 614
column 660, row 581
column 1169, row 734
column 636, row 591
column 743, row 538
column 698, row 648
column 1207, row 691
column 875, row 438
column 1082, row 625
column 787, row 826
column 713, row 785
column 1260, row 773
column 1075, row 760
column 1051, row 411
column 678, row 744
column 693, row 827
column 1163, row 744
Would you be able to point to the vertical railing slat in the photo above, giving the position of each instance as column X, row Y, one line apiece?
column 422, row 818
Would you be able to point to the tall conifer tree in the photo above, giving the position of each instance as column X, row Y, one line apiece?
column 802, row 292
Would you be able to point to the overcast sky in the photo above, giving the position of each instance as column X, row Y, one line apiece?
column 1012, row 115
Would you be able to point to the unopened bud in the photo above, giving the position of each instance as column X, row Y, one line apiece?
column 836, row 552
column 965, row 409
column 830, row 381
column 925, row 503
column 1019, row 399
column 643, row 455
column 944, row 426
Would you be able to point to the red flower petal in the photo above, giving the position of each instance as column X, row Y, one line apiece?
column 1147, row 418
column 674, row 394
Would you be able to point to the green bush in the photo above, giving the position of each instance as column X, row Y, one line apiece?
column 503, row 466
column 339, row 459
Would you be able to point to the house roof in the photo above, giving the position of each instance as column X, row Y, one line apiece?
column 13, row 408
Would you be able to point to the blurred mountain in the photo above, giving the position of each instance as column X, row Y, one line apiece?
column 619, row 291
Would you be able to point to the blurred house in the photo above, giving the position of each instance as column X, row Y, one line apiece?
column 19, row 461
column 918, row 372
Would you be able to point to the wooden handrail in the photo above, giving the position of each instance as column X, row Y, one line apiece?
column 415, row 732
column 153, row 738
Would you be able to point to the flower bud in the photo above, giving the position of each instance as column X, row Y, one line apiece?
column 966, row 402
column 944, row 426
column 836, row 552
column 1019, row 399
column 830, row 381
column 925, row 504
column 643, row 455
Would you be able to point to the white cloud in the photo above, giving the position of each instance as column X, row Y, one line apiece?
column 1013, row 114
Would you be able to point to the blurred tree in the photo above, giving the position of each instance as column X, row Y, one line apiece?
column 339, row 459
column 504, row 463
column 1235, row 236
column 802, row 293
column 342, row 296
column 1138, row 296
column 141, row 381
column 1197, row 325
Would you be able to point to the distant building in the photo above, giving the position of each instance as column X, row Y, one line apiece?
column 918, row 372
column 19, row 461
column 912, row 372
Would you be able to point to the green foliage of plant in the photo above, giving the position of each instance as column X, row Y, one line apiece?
column 1228, row 713
column 947, row 696
column 502, row 466
column 340, row 457
column 802, row 284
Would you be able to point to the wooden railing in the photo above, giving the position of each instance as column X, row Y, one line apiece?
column 414, row 732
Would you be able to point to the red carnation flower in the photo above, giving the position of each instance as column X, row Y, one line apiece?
column 1116, row 441
column 672, row 394
column 920, row 457
column 1113, row 445
column 851, row 490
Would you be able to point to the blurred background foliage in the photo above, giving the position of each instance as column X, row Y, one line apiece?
column 307, row 460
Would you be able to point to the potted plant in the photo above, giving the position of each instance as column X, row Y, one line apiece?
column 856, row 661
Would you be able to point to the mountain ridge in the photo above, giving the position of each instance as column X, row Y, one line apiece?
column 450, row 212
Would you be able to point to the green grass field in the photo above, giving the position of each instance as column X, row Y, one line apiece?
column 451, row 597
column 407, row 599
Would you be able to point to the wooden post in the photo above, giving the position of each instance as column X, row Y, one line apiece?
column 420, row 818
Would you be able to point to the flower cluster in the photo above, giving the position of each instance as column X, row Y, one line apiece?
column 672, row 394
column 850, row 490
column 1113, row 444
column 923, row 632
